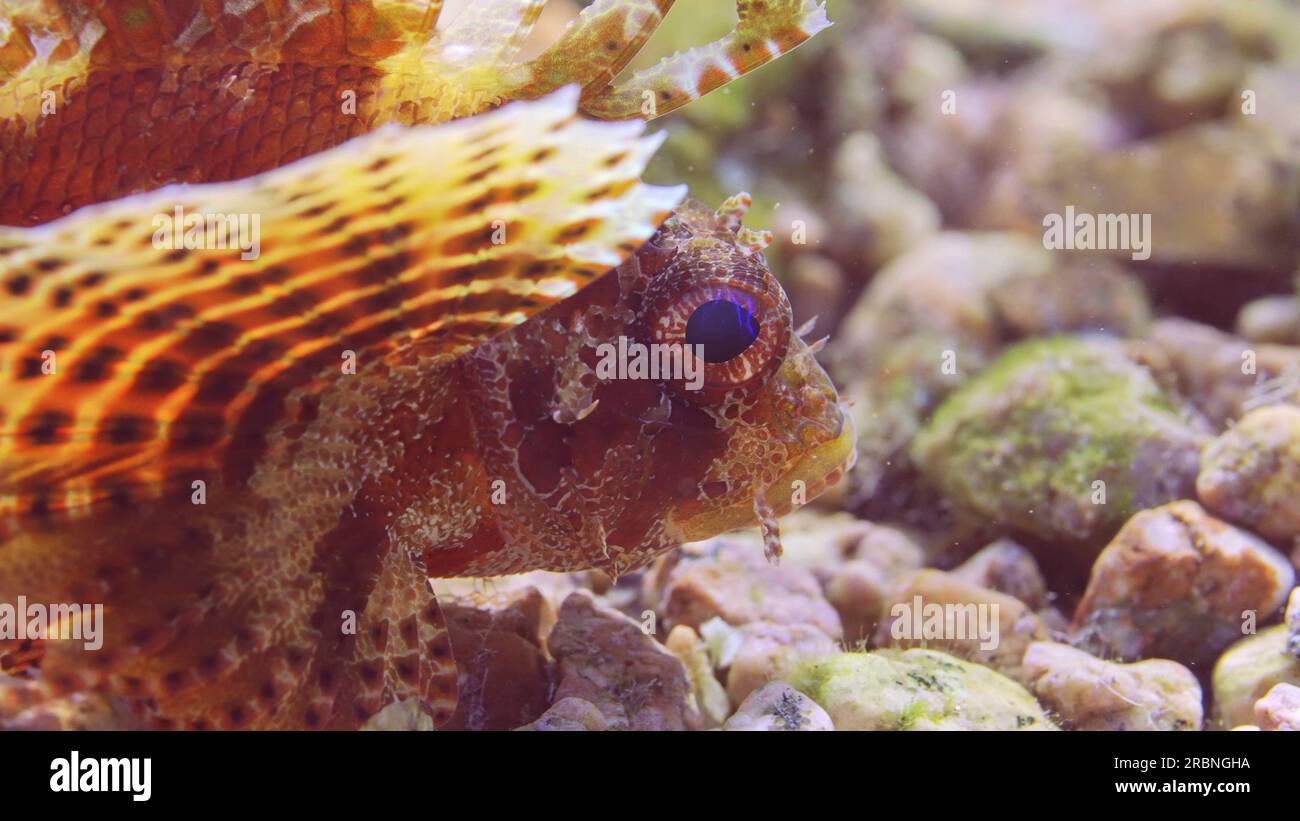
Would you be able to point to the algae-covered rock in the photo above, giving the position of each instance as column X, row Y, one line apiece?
column 888, row 403
column 1091, row 694
column 937, row 315
column 1177, row 583
column 778, row 706
column 1248, row 671
column 1251, row 473
column 1064, row 438
column 917, row 690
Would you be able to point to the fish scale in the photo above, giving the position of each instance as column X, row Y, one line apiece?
column 470, row 269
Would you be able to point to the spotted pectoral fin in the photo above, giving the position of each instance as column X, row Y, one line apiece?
column 158, row 340
column 403, row 649
column 387, row 662
column 765, row 30
column 159, row 617
column 290, row 612
column 333, row 664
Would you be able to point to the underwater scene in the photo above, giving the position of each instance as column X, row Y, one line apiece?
column 773, row 365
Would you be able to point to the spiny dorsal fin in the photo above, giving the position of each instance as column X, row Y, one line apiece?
column 237, row 89
column 43, row 41
column 123, row 35
column 165, row 361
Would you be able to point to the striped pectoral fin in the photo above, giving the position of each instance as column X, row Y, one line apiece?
column 133, row 352
column 765, row 30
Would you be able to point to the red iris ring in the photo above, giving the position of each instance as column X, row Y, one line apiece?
column 670, row 310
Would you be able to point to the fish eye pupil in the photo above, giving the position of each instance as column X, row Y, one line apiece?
column 724, row 328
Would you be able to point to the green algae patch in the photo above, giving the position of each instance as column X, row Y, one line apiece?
column 917, row 689
column 1064, row 438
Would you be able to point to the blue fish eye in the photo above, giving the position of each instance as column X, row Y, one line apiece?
column 724, row 328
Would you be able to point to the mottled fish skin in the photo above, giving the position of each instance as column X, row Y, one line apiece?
column 555, row 468
column 329, row 494
column 171, row 367
column 100, row 100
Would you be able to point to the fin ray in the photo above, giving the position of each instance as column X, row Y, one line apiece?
column 489, row 31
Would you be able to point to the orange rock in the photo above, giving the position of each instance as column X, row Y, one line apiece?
column 1178, row 583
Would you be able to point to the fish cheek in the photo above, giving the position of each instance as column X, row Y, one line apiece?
column 605, row 441
column 531, row 388
column 683, row 453
column 544, row 455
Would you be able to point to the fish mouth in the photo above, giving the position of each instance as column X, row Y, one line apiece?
column 821, row 467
